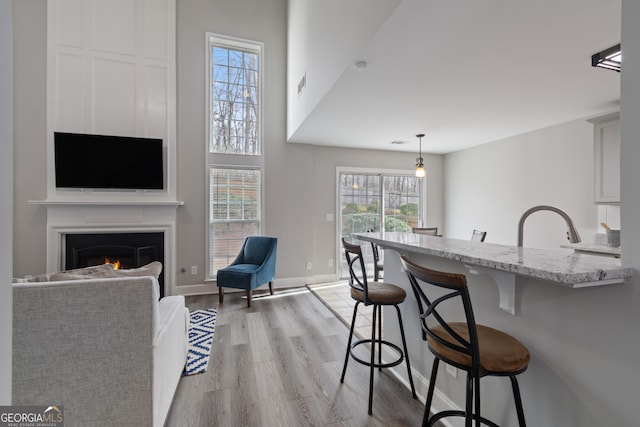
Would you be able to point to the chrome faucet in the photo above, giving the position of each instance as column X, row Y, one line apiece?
column 572, row 233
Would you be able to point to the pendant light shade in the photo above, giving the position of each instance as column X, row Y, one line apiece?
column 420, row 172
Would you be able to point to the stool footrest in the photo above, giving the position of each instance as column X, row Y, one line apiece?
column 378, row 365
column 445, row 414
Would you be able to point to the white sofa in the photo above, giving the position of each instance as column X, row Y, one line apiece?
column 105, row 349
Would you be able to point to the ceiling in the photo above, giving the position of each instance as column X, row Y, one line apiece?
column 469, row 72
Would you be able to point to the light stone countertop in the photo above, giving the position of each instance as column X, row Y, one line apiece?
column 561, row 266
column 593, row 247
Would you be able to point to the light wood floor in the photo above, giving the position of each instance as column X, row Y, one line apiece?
column 278, row 364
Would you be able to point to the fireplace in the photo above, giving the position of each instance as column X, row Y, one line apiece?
column 134, row 215
column 126, row 250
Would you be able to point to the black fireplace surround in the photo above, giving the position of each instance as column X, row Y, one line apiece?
column 132, row 250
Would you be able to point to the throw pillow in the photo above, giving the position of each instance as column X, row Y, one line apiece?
column 152, row 269
column 92, row 272
column 62, row 275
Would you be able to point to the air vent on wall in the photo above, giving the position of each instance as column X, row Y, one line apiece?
column 302, row 83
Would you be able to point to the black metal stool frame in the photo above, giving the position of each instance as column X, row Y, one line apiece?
column 456, row 283
column 353, row 253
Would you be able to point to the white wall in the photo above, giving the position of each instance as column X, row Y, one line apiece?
column 6, row 195
column 30, row 135
column 629, row 136
column 111, row 71
column 490, row 186
column 323, row 53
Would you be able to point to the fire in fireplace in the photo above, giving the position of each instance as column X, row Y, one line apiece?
column 126, row 250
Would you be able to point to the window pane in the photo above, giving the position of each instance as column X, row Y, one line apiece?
column 234, row 213
column 220, row 56
column 234, row 96
column 359, row 203
column 402, row 201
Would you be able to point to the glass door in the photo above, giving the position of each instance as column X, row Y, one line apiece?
column 376, row 202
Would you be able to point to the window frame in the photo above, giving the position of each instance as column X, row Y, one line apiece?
column 341, row 170
column 227, row 160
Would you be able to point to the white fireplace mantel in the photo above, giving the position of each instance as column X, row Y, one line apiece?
column 111, row 216
column 49, row 203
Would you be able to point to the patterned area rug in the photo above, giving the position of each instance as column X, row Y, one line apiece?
column 201, row 329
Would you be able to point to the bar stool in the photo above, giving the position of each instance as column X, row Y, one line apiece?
column 377, row 294
column 429, row 231
column 478, row 236
column 477, row 349
column 378, row 265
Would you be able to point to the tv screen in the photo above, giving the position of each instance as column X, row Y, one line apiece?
column 108, row 162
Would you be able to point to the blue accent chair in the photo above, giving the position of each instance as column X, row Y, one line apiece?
column 254, row 266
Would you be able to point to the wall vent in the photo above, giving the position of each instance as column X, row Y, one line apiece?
column 302, row 83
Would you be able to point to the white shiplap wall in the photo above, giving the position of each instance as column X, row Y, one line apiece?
column 111, row 70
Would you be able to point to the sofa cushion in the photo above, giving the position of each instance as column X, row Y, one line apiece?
column 239, row 276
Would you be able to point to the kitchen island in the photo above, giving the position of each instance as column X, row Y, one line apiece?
column 502, row 262
column 556, row 302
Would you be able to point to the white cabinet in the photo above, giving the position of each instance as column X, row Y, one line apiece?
column 607, row 159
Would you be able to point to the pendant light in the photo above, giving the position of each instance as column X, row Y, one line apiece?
column 420, row 172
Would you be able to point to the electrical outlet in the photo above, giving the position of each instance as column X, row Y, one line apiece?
column 309, row 265
column 451, row 370
column 194, row 269
column 330, row 262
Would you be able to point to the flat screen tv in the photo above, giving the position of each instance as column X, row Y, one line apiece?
column 108, row 162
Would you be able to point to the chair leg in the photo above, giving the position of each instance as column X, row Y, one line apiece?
column 477, row 397
column 518, row 400
column 249, row 298
column 373, row 358
column 432, row 387
column 379, row 337
column 468, row 417
column 271, row 287
column 220, row 294
column 406, row 353
column 353, row 324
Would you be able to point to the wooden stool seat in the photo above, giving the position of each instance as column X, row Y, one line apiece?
column 500, row 353
column 381, row 293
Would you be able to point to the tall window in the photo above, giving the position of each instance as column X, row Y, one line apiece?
column 234, row 153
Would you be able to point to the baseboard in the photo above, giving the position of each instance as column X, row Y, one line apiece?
column 211, row 288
